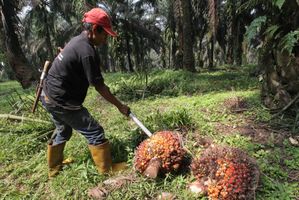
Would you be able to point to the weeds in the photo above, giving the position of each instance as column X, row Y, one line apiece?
column 177, row 119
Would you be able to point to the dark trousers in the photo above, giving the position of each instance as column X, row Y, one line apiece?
column 67, row 120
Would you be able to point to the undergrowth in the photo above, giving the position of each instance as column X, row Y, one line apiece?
column 189, row 103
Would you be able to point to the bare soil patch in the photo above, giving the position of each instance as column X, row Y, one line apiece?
column 111, row 184
column 259, row 133
column 236, row 104
column 201, row 141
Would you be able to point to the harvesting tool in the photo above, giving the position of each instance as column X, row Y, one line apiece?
column 40, row 86
column 136, row 120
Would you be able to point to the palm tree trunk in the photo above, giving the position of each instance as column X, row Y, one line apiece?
column 177, row 9
column 104, row 57
column 231, row 34
column 188, row 57
column 173, row 43
column 16, row 58
column 238, row 45
column 129, row 52
column 120, row 52
column 211, row 53
column 213, row 22
column 163, row 56
column 48, row 35
column 136, row 51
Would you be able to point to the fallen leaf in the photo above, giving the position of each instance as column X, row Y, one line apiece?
column 293, row 141
column 166, row 196
column 97, row 193
column 197, row 187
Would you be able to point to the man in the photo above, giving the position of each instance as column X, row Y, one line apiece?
column 74, row 69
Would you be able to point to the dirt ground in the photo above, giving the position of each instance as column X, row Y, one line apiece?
column 260, row 133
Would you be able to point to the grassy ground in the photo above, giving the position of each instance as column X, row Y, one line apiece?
column 222, row 107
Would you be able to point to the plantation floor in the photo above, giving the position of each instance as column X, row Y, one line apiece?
column 220, row 108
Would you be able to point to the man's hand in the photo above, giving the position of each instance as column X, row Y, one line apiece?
column 59, row 50
column 124, row 109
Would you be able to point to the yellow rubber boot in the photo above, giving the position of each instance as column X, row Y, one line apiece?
column 55, row 159
column 101, row 155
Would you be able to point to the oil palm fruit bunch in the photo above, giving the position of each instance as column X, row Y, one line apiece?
column 162, row 151
column 225, row 173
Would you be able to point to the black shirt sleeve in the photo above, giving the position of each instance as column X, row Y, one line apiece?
column 92, row 71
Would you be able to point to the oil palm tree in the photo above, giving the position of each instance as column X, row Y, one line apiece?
column 24, row 73
column 277, row 28
column 135, row 23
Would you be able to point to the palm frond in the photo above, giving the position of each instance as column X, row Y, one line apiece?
column 289, row 41
column 255, row 27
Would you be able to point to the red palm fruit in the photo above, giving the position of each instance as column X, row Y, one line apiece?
column 232, row 173
column 164, row 145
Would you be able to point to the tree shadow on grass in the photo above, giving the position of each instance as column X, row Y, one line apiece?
column 121, row 148
column 176, row 83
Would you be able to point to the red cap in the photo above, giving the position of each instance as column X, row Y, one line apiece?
column 99, row 17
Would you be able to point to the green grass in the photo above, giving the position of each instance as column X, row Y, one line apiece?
column 172, row 100
column 12, row 96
